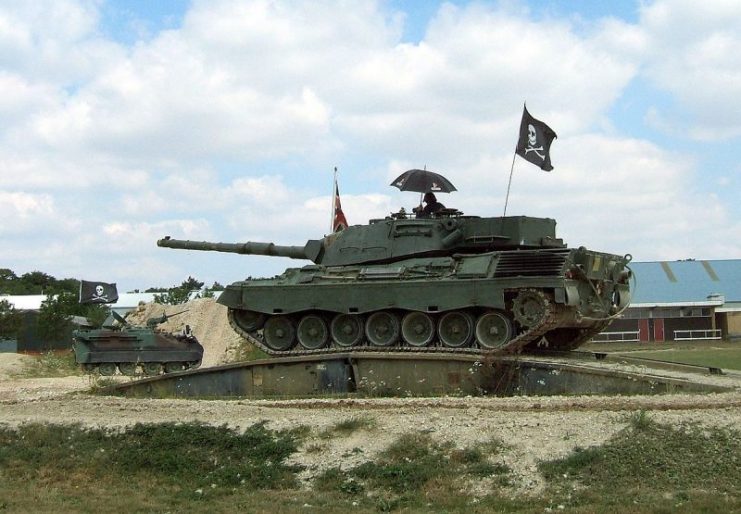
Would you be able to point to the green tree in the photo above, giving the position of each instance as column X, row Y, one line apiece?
column 95, row 313
column 179, row 294
column 55, row 313
column 69, row 285
column 37, row 282
column 54, row 316
column 10, row 320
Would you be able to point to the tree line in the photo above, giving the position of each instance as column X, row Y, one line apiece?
column 62, row 301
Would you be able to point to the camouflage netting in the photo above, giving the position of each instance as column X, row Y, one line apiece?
column 207, row 320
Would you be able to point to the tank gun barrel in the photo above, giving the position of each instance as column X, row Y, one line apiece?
column 153, row 322
column 310, row 250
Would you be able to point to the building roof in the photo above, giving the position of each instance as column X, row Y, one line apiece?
column 689, row 282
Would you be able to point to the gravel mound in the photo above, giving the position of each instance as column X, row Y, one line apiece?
column 206, row 318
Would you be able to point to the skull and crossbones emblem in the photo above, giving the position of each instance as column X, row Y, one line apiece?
column 99, row 296
column 532, row 140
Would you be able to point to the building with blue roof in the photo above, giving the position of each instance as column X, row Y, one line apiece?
column 681, row 300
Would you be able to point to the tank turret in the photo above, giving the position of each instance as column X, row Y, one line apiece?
column 446, row 283
column 397, row 238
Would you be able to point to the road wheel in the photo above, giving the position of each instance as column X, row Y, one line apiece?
column 417, row 329
column 493, row 330
column 107, row 369
column 152, row 368
column 455, row 329
column 312, row 332
column 249, row 321
column 346, row 330
column 127, row 368
column 173, row 367
column 279, row 333
column 382, row 328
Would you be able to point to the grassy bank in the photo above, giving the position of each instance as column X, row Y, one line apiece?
column 168, row 467
column 718, row 354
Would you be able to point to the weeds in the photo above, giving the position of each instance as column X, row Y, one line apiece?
column 649, row 462
column 348, row 426
column 647, row 467
column 52, row 364
column 411, row 469
column 180, row 455
column 641, row 421
column 101, row 385
column 246, row 352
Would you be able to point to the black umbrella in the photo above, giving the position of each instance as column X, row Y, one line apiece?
column 422, row 181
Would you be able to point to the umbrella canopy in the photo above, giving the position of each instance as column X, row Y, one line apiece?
column 422, row 181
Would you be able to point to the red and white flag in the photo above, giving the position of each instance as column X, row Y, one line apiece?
column 339, row 222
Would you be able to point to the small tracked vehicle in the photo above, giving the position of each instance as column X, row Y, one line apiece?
column 449, row 283
column 129, row 348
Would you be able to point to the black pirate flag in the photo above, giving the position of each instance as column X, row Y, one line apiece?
column 535, row 140
column 97, row 292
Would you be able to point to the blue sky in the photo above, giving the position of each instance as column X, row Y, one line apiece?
column 222, row 120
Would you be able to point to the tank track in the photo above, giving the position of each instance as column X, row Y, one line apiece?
column 552, row 318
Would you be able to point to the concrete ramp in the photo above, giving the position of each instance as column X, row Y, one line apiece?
column 411, row 374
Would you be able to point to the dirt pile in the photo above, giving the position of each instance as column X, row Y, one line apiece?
column 206, row 318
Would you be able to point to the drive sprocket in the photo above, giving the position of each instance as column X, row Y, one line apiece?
column 530, row 307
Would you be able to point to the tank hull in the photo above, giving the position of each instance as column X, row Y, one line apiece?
column 502, row 301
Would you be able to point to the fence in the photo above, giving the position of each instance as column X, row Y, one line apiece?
column 689, row 335
column 613, row 337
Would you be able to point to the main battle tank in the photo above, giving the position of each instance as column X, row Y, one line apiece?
column 448, row 283
column 128, row 347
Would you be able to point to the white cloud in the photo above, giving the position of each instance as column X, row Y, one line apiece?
column 53, row 40
column 692, row 53
column 226, row 128
column 24, row 206
column 33, row 216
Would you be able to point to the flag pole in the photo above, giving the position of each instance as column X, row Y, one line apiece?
column 334, row 201
column 509, row 184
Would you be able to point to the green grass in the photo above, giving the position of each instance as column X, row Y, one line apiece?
column 416, row 470
column 247, row 352
column 170, row 467
column 346, row 427
column 724, row 358
column 52, row 364
column 650, row 467
column 716, row 354
column 171, row 464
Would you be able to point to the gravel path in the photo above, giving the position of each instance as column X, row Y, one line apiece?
column 532, row 428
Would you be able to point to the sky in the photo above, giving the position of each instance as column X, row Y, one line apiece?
column 222, row 120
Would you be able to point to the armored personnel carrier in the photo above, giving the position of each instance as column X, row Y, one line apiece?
column 449, row 283
column 129, row 347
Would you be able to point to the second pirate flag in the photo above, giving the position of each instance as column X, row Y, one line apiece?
column 534, row 144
